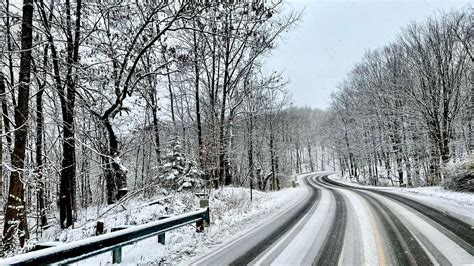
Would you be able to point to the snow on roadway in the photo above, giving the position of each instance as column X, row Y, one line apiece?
column 302, row 243
column 365, row 241
column 311, row 236
column 450, row 250
column 457, row 204
column 365, row 228
column 232, row 214
column 439, row 245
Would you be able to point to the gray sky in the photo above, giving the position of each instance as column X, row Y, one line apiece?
column 334, row 35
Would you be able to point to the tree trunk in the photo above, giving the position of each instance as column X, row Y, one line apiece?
column 471, row 117
column 6, row 120
column 351, row 156
column 39, row 148
column 272, row 156
column 68, row 172
column 250, row 147
column 116, row 178
column 322, row 158
column 298, row 156
column 156, row 131
column 170, row 91
column 2, row 96
column 222, row 142
column 10, row 55
column 197, row 100
column 67, row 191
column 434, row 174
column 311, row 165
column 15, row 216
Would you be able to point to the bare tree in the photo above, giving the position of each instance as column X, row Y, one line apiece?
column 15, row 216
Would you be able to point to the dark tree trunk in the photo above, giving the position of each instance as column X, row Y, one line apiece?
column 156, row 130
column 408, row 166
column 322, row 158
column 311, row 165
column 434, row 173
column 170, row 91
column 15, row 215
column 316, row 158
column 223, row 171
column 351, row 156
column 68, row 172
column 197, row 100
column 222, row 142
column 471, row 117
column 116, row 178
column 39, row 147
column 6, row 119
column 395, row 138
column 273, row 157
column 67, row 188
column 2, row 88
column 298, row 155
column 10, row 54
column 250, row 148
column 277, row 170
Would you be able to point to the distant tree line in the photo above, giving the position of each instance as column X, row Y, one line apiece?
column 403, row 112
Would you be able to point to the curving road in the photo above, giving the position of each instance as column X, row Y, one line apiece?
column 339, row 224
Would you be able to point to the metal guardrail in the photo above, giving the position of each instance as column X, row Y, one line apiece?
column 82, row 249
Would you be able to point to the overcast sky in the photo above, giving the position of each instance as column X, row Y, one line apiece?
column 334, row 35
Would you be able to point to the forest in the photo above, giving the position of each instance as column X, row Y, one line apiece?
column 107, row 100
column 403, row 112
column 103, row 101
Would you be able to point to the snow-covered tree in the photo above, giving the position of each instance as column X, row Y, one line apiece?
column 177, row 171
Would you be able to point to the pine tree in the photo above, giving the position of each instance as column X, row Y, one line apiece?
column 177, row 171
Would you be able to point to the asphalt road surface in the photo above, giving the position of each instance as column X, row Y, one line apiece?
column 335, row 224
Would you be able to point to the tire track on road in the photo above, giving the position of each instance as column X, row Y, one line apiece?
column 404, row 248
column 459, row 231
column 262, row 245
column 332, row 247
column 296, row 246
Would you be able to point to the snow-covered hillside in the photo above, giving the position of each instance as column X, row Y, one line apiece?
column 232, row 213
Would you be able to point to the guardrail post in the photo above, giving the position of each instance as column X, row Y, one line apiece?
column 204, row 222
column 117, row 252
column 162, row 236
column 207, row 217
column 117, row 255
column 203, row 203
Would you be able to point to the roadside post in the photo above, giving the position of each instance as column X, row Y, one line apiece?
column 117, row 252
column 251, row 188
column 203, row 203
column 162, row 237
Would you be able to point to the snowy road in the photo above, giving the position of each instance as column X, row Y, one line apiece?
column 340, row 224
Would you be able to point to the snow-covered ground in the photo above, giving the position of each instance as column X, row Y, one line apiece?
column 232, row 214
column 458, row 204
